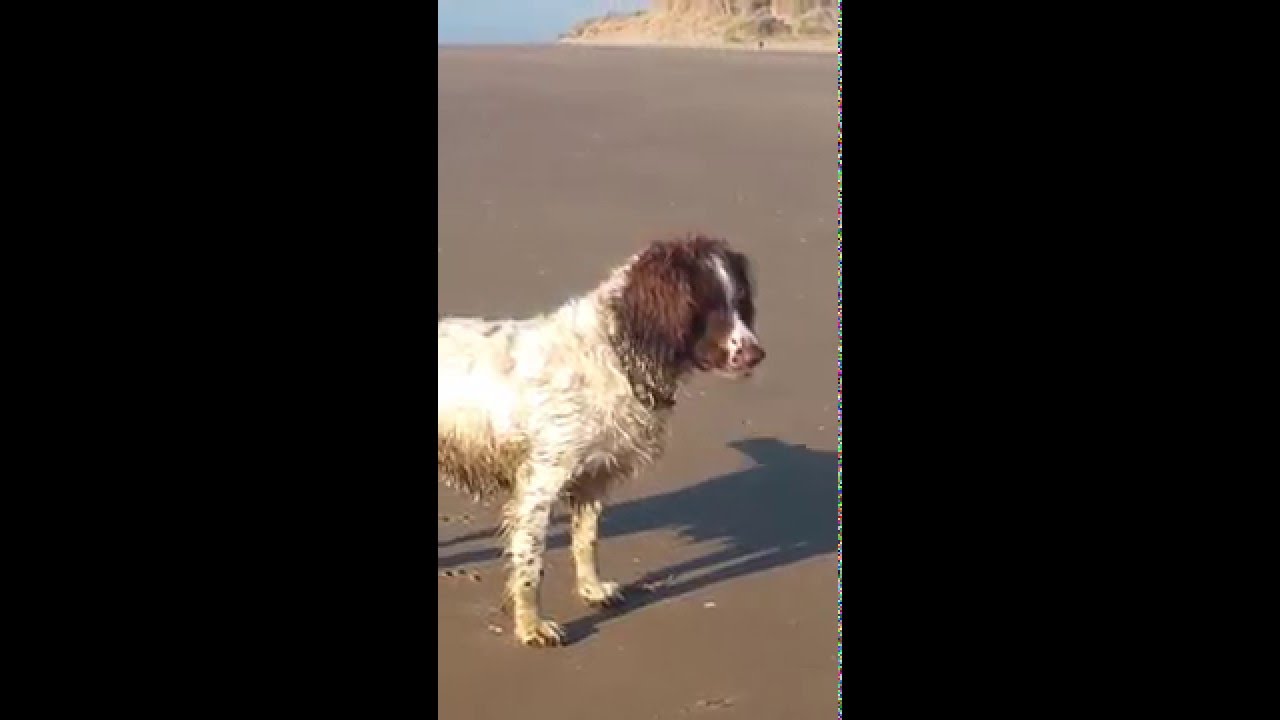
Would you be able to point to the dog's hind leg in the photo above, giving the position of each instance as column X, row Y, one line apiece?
column 528, row 515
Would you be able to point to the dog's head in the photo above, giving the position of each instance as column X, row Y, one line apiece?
column 690, row 303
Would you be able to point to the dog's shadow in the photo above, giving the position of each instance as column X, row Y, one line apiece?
column 778, row 512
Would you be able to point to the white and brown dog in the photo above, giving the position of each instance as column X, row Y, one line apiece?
column 565, row 404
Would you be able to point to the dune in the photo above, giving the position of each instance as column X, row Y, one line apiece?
column 798, row 25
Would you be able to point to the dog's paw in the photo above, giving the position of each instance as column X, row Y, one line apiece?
column 543, row 633
column 604, row 595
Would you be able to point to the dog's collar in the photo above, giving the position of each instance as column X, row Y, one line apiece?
column 651, row 397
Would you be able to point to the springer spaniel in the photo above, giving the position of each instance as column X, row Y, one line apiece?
column 562, row 405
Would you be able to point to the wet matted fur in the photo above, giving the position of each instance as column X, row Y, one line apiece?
column 563, row 405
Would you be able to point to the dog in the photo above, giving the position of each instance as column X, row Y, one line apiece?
column 564, row 405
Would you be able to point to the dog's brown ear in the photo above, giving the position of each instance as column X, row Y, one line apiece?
column 656, row 307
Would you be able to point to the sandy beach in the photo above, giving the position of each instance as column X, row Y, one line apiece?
column 556, row 163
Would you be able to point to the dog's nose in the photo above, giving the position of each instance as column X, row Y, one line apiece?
column 752, row 355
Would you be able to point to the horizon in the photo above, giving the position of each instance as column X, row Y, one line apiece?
column 495, row 22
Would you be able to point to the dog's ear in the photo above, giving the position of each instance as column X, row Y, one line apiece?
column 656, row 307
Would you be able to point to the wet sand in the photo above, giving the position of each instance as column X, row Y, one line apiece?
column 556, row 163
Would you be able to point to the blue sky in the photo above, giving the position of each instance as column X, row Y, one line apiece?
column 519, row 21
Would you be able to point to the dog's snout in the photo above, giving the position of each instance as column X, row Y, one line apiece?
column 746, row 356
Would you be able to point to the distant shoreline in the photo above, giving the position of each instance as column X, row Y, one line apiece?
column 634, row 44
column 789, row 46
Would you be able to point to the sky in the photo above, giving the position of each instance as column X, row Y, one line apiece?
column 519, row 21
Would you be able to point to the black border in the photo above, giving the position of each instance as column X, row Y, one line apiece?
column 976, row 147
column 277, row 216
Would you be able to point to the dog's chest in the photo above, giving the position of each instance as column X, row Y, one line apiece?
column 620, row 441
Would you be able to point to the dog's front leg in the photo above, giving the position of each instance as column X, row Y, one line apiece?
column 585, row 531
column 528, row 515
